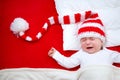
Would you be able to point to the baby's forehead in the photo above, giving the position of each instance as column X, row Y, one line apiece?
column 88, row 37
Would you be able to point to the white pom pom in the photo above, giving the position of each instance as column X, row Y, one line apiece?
column 19, row 25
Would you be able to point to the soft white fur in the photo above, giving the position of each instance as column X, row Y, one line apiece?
column 99, row 73
column 19, row 25
column 37, row 74
column 95, row 72
column 109, row 13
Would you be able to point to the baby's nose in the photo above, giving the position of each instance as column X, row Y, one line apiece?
column 88, row 41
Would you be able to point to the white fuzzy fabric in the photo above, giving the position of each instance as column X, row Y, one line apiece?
column 19, row 25
column 70, row 40
column 100, row 73
column 88, row 73
column 37, row 74
column 108, row 11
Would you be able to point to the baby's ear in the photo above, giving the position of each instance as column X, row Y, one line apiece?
column 103, row 44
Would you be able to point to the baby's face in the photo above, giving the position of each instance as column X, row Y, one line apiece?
column 91, row 44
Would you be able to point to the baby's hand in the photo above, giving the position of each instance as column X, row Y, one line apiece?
column 51, row 52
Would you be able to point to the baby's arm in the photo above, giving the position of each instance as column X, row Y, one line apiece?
column 67, row 62
column 116, row 57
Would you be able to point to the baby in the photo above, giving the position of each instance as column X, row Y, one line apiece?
column 93, row 52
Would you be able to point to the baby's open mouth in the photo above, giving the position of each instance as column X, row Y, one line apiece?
column 89, row 47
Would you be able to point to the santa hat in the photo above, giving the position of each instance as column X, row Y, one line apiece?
column 92, row 27
column 19, row 26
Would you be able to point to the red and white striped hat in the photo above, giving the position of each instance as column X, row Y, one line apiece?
column 19, row 26
column 92, row 27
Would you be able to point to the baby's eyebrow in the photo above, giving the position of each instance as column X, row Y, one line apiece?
column 92, row 38
column 83, row 39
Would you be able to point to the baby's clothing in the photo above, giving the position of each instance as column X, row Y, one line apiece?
column 82, row 58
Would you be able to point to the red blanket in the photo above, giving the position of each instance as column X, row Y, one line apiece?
column 16, row 53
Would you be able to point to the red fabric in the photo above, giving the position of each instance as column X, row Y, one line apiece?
column 87, row 13
column 66, row 20
column 77, row 17
column 16, row 52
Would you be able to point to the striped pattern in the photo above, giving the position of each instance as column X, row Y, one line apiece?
column 67, row 19
column 92, row 27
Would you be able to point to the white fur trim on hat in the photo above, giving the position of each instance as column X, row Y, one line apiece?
column 92, row 34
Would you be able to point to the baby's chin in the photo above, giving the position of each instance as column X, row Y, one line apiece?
column 90, row 50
